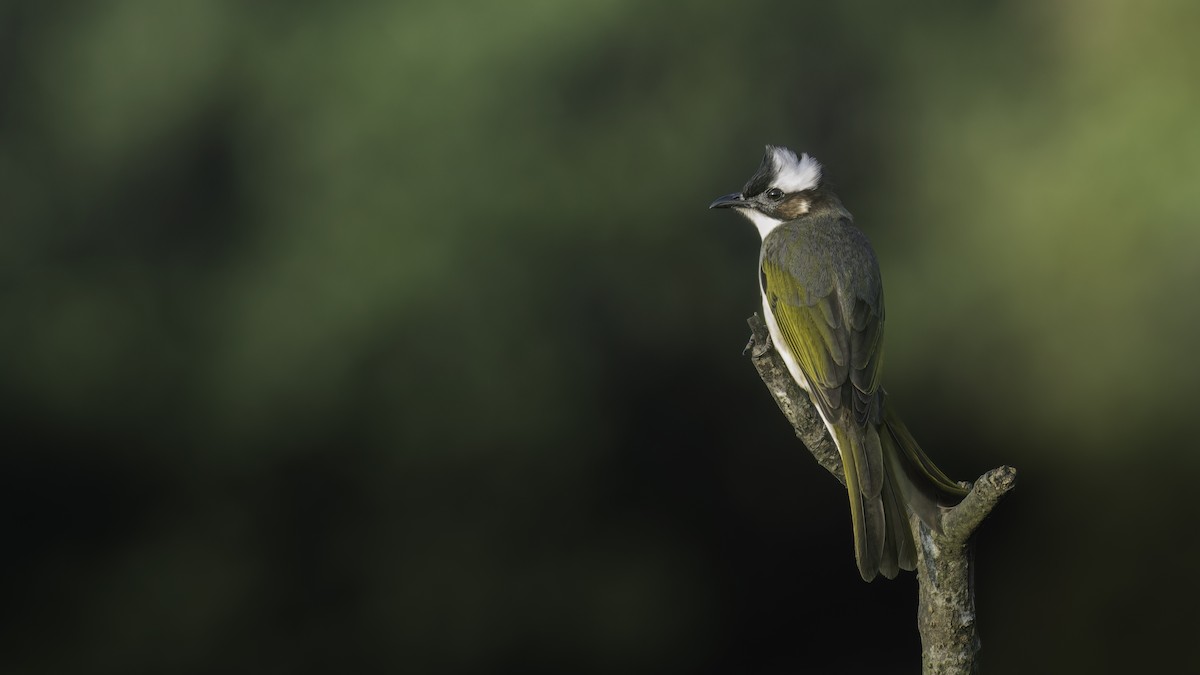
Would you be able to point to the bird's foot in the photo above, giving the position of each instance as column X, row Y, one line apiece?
column 757, row 349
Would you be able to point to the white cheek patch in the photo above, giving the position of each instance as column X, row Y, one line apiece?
column 799, row 207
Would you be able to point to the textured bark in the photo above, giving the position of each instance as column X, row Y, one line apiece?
column 945, row 561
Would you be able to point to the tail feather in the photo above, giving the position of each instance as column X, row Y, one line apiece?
column 889, row 560
column 899, row 536
column 922, row 485
column 862, row 465
column 887, row 475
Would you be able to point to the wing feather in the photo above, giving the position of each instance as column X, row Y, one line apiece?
column 834, row 334
column 841, row 358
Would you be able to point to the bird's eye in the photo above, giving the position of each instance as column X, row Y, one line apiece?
column 775, row 193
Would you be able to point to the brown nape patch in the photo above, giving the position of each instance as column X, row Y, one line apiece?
column 793, row 207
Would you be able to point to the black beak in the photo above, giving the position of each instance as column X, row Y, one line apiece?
column 728, row 201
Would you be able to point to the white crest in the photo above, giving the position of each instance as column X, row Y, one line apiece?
column 792, row 174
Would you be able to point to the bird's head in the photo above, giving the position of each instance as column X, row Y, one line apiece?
column 781, row 190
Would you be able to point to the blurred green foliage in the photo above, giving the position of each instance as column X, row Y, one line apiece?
column 396, row 335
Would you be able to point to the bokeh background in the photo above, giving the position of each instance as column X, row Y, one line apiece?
column 396, row 337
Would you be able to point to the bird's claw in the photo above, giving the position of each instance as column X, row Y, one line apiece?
column 757, row 350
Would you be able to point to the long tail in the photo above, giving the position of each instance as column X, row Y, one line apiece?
column 887, row 475
column 923, row 486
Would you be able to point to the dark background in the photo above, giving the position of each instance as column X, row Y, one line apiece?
column 395, row 337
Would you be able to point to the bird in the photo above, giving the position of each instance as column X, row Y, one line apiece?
column 822, row 298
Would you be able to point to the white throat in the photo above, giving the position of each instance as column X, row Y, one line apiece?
column 763, row 222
